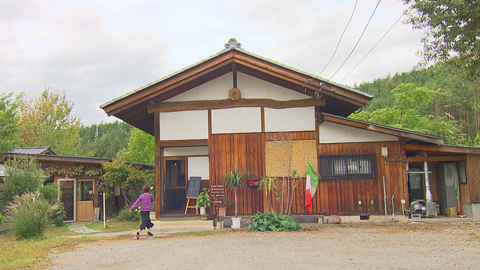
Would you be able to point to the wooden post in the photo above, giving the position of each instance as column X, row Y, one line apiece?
column 158, row 167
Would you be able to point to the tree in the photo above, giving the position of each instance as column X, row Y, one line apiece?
column 453, row 32
column 405, row 113
column 9, row 129
column 141, row 147
column 46, row 121
column 104, row 139
column 22, row 175
column 128, row 178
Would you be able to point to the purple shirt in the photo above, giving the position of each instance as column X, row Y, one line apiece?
column 146, row 199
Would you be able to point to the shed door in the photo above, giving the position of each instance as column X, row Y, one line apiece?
column 68, row 197
column 85, row 193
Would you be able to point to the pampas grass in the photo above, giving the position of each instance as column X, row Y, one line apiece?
column 30, row 214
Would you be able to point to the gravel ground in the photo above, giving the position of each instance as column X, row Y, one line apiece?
column 353, row 246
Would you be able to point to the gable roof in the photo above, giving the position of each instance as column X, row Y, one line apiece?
column 72, row 159
column 132, row 107
column 33, row 150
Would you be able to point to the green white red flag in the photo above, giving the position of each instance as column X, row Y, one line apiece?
column 311, row 186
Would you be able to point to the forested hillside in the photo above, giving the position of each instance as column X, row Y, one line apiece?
column 432, row 100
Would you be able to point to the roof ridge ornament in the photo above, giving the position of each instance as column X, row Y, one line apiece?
column 233, row 44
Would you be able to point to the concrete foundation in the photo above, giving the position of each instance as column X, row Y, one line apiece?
column 476, row 211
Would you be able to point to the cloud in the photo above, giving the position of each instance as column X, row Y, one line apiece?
column 90, row 63
column 99, row 50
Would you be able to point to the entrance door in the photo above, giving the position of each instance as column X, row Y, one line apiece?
column 68, row 197
column 85, row 193
column 175, row 185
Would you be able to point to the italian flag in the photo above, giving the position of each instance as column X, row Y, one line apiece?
column 311, row 186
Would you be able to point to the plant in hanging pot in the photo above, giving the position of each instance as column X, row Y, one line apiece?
column 233, row 180
column 203, row 200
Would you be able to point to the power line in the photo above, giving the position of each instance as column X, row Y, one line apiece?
column 358, row 41
column 372, row 48
column 351, row 16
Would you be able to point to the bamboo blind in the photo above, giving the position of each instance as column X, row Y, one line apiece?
column 278, row 153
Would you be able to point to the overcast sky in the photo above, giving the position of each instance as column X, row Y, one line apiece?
column 99, row 50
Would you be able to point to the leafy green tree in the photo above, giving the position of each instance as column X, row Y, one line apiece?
column 452, row 32
column 141, row 148
column 46, row 121
column 452, row 100
column 129, row 178
column 104, row 139
column 405, row 113
column 22, row 175
column 9, row 130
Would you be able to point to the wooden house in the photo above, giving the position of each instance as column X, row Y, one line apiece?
column 236, row 109
column 78, row 179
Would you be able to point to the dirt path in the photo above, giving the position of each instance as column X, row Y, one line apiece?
column 361, row 246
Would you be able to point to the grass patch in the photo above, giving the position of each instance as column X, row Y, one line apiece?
column 114, row 226
column 20, row 254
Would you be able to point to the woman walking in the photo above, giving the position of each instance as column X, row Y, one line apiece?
column 146, row 199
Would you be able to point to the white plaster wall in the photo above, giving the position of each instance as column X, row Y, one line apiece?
column 185, row 151
column 213, row 90
column 336, row 133
column 251, row 87
column 184, row 125
column 292, row 119
column 199, row 166
column 237, row 120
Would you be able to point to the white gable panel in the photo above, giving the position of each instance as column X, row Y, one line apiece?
column 251, row 87
column 199, row 166
column 213, row 90
column 336, row 133
column 184, row 125
column 185, row 151
column 236, row 120
column 292, row 119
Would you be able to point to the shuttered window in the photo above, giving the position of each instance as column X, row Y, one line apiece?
column 347, row 166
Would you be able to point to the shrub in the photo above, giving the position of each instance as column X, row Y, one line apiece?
column 273, row 222
column 1, row 219
column 49, row 193
column 22, row 175
column 125, row 215
column 60, row 215
column 30, row 214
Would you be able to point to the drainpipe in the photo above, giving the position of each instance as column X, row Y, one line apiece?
column 385, row 199
column 428, row 194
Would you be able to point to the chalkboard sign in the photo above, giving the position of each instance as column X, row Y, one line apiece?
column 194, row 186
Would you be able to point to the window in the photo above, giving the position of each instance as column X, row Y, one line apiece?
column 347, row 166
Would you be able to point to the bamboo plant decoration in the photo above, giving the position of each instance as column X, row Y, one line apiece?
column 233, row 180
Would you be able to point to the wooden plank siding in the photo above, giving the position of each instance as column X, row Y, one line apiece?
column 342, row 195
column 473, row 177
column 245, row 152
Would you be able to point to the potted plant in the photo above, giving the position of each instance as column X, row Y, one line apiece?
column 222, row 208
column 205, row 216
column 203, row 200
column 233, row 180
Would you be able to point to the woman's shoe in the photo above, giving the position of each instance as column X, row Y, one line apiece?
column 138, row 235
column 150, row 234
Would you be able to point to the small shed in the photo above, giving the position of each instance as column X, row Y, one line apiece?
column 78, row 179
